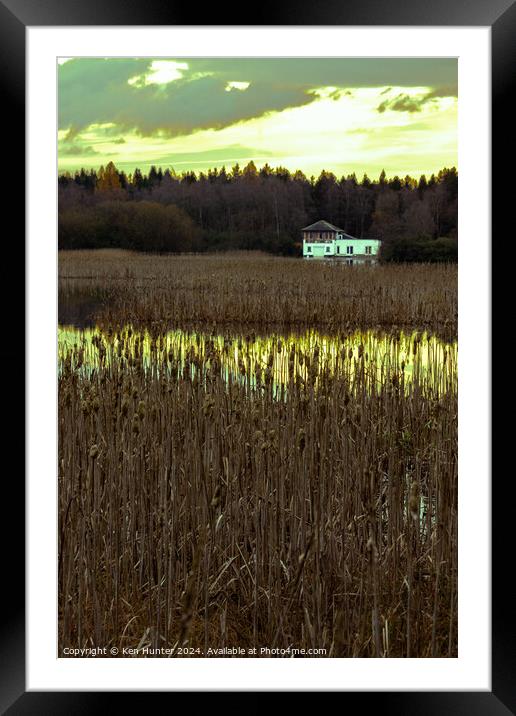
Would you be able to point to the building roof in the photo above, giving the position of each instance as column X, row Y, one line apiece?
column 353, row 238
column 326, row 226
column 321, row 226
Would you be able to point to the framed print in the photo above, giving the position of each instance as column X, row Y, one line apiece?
column 259, row 451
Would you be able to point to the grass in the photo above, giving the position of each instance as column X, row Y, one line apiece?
column 201, row 506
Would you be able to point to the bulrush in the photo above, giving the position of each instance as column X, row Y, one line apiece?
column 94, row 451
column 391, row 296
column 307, row 500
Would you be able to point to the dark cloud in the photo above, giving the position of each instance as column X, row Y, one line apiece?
column 449, row 91
column 72, row 150
column 222, row 155
column 335, row 72
column 338, row 93
column 228, row 155
column 405, row 103
column 402, row 103
column 96, row 91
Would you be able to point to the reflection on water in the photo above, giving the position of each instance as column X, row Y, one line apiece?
column 78, row 303
column 261, row 361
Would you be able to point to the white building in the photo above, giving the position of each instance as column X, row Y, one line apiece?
column 322, row 240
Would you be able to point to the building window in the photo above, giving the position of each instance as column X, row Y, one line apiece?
column 368, row 250
column 338, row 249
column 328, row 249
column 349, row 262
column 349, row 249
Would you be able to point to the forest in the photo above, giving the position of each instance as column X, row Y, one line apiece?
column 256, row 209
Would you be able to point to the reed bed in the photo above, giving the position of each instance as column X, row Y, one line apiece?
column 314, row 508
column 249, row 357
column 256, row 290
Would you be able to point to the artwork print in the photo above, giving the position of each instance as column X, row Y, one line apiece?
column 257, row 357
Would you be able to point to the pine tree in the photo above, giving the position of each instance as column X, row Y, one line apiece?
column 138, row 181
column 108, row 179
column 250, row 171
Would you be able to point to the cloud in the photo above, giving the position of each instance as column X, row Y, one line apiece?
column 407, row 103
column 334, row 93
column 74, row 150
column 449, row 91
column 241, row 86
column 337, row 72
column 98, row 92
column 401, row 103
column 160, row 72
column 218, row 156
column 198, row 161
column 176, row 97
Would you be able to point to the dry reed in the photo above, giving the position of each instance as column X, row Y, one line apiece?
column 206, row 507
column 257, row 290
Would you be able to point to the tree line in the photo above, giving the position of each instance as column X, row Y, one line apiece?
column 256, row 209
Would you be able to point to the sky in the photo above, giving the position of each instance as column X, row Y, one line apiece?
column 343, row 115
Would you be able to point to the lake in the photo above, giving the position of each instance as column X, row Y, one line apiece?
column 276, row 358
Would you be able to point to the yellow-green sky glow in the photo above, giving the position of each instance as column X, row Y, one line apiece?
column 343, row 115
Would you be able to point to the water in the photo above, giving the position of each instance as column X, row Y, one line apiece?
column 79, row 302
column 264, row 359
column 276, row 357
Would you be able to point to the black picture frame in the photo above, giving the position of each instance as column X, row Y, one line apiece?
column 15, row 17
